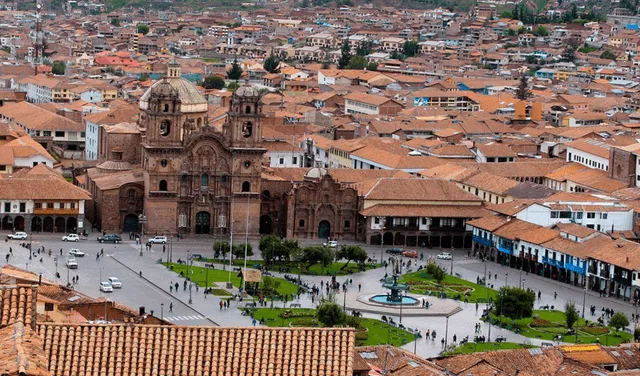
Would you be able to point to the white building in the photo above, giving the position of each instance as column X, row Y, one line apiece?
column 589, row 152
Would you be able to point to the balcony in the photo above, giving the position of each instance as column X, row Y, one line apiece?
column 504, row 249
column 574, row 268
column 483, row 241
column 45, row 211
column 402, row 228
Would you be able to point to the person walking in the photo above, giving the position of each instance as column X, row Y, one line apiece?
column 454, row 338
column 177, row 286
column 359, row 286
column 170, row 306
column 171, row 287
column 221, row 304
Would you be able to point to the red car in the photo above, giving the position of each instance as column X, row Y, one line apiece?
column 413, row 254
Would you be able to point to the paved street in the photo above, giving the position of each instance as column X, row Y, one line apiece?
column 152, row 289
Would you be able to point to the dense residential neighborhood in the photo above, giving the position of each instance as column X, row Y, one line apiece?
column 324, row 188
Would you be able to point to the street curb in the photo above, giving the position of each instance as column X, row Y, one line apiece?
column 166, row 293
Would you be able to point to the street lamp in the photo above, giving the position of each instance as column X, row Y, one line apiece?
column 382, row 239
column 446, row 334
column 142, row 219
column 161, row 311
column 344, row 301
column 189, row 263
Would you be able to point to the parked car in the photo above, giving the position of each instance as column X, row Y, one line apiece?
column 445, row 256
column 76, row 252
column 18, row 236
column 115, row 282
column 331, row 244
column 413, row 254
column 72, row 263
column 158, row 240
column 109, row 238
column 395, row 251
column 70, row 238
column 106, row 287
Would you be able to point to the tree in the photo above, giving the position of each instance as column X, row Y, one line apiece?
column 541, row 31
column 515, row 303
column 352, row 253
column 364, row 48
column 268, row 246
column 115, row 22
column 357, row 62
column 220, row 248
column 213, row 82
column 142, row 29
column 345, row 55
column 330, row 314
column 523, row 92
column 619, row 320
column 571, row 315
column 439, row 274
column 410, row 48
column 270, row 286
column 569, row 53
column 372, row 67
column 233, row 86
column 58, row 68
column 315, row 254
column 608, row 55
column 271, row 63
column 636, row 334
column 238, row 250
column 235, row 72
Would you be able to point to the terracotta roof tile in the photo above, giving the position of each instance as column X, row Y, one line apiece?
column 18, row 304
column 417, row 190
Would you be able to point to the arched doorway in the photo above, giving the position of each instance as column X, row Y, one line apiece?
column 375, row 239
column 47, row 224
column 19, row 223
column 387, row 238
column 72, row 224
column 324, row 229
column 60, row 225
column 203, row 223
column 7, row 223
column 266, row 227
column 130, row 223
column 36, row 224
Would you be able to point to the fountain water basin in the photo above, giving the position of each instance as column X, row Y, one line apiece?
column 386, row 299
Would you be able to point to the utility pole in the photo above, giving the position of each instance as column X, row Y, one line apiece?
column 142, row 219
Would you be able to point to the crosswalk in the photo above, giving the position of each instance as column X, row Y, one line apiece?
column 185, row 318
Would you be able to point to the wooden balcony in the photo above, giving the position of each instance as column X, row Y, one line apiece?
column 56, row 211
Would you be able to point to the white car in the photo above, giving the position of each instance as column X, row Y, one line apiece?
column 18, row 236
column 445, row 256
column 70, row 238
column 106, row 287
column 76, row 252
column 115, row 282
column 72, row 263
column 331, row 244
column 158, row 240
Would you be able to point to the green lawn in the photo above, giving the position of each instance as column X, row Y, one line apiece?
column 292, row 268
column 469, row 348
column 548, row 324
column 422, row 283
column 200, row 276
column 377, row 332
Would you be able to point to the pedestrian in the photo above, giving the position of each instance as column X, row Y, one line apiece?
column 428, row 335
column 163, row 248
column 101, row 251
column 476, row 306
column 555, row 295
column 170, row 306
column 98, row 256
column 185, row 285
column 176, row 286
column 221, row 304
column 442, row 341
column 254, row 322
column 539, row 294
column 7, row 257
column 11, row 250
column 489, row 275
column 171, row 287
column 197, row 287
column 78, row 278
column 495, row 276
column 454, row 338
column 359, row 286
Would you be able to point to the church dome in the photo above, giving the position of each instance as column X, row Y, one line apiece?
column 113, row 166
column 315, row 173
column 190, row 98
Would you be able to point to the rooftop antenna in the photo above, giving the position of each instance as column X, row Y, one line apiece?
column 37, row 40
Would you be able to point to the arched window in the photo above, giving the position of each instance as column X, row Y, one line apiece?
column 131, row 195
column 246, row 186
column 204, row 181
column 199, row 122
column 165, row 127
column 347, row 225
column 223, row 179
column 166, row 107
column 247, row 129
column 162, row 186
column 266, row 195
column 247, row 110
column 301, row 223
column 183, row 178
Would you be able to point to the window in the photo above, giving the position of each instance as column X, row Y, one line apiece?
column 604, row 215
column 376, row 220
column 281, row 161
column 3, row 168
column 49, row 205
column 400, row 221
column 554, row 214
column 38, row 205
column 246, row 186
column 347, row 225
column 23, row 207
column 59, row 134
column 7, row 207
column 46, row 133
column 166, row 108
column 164, row 163
column 183, row 178
column 165, row 127
column 223, row 179
column 35, row 164
column 578, row 215
column 565, row 214
column 294, row 160
column 247, row 110
column 131, row 195
column 204, row 181
column 162, row 186
column 591, row 215
column 301, row 223
column 424, row 220
column 247, row 129
column 447, row 222
column 247, row 164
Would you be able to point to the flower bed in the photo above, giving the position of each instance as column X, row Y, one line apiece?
column 595, row 330
column 542, row 323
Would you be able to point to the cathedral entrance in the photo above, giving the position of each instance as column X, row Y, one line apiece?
column 203, row 223
column 130, row 223
column 324, row 229
column 266, row 227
